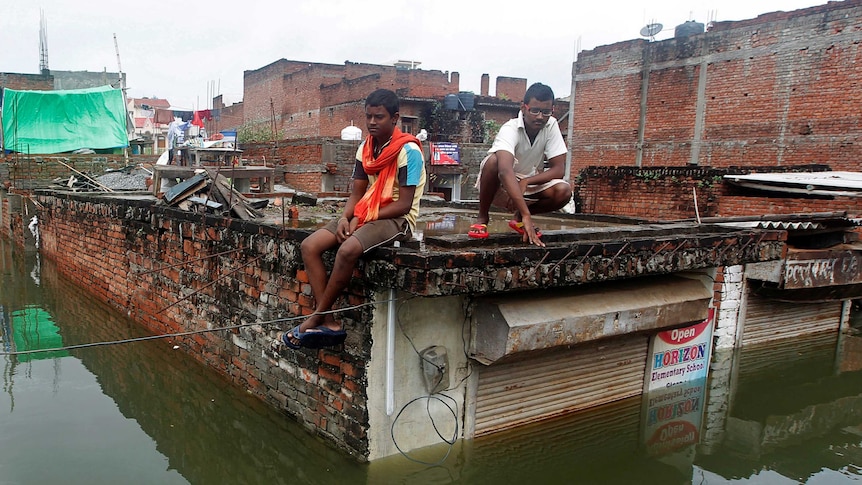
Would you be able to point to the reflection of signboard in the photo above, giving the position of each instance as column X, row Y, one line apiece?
column 680, row 355
column 445, row 154
column 672, row 417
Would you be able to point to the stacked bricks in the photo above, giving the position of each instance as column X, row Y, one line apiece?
column 296, row 95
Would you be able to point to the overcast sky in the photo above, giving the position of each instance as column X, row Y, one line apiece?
column 183, row 51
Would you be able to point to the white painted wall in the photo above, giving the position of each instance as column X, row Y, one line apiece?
column 427, row 322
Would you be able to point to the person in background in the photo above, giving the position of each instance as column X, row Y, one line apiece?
column 176, row 136
column 513, row 177
column 388, row 182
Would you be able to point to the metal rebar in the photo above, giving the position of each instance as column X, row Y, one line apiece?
column 576, row 246
column 536, row 267
column 620, row 251
column 584, row 257
column 660, row 249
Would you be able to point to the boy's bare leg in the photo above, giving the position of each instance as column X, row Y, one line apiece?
column 345, row 261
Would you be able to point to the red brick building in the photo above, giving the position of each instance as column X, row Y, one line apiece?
column 307, row 99
column 773, row 93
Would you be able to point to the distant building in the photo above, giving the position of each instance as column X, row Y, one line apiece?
column 86, row 79
column 297, row 99
column 150, row 135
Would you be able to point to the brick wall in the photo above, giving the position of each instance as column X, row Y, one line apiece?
column 297, row 96
column 668, row 193
column 24, row 171
column 26, row 82
column 117, row 256
column 306, row 162
column 775, row 90
column 511, row 88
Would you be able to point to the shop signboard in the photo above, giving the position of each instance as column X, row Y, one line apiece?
column 675, row 387
column 445, row 154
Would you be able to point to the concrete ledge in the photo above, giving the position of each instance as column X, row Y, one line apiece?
column 503, row 327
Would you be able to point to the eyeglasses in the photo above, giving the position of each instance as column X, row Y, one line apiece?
column 537, row 111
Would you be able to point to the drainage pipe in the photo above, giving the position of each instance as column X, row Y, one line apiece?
column 390, row 354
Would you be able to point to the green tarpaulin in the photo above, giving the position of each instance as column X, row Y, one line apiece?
column 63, row 121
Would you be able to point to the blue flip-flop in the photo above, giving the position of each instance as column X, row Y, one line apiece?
column 281, row 339
column 321, row 337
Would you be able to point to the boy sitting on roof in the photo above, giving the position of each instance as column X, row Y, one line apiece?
column 512, row 176
column 388, row 181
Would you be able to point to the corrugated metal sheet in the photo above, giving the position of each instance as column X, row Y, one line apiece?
column 591, row 435
column 817, row 351
column 769, row 320
column 555, row 383
column 783, row 225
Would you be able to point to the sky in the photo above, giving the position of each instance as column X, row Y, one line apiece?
column 186, row 52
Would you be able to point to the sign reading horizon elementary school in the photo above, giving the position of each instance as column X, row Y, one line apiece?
column 680, row 355
column 675, row 387
column 672, row 417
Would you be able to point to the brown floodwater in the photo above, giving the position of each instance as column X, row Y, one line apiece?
column 145, row 413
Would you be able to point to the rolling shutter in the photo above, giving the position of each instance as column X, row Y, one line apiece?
column 552, row 384
column 770, row 320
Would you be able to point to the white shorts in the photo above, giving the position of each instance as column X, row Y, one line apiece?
column 502, row 199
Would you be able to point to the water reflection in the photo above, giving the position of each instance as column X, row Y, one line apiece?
column 792, row 414
column 133, row 413
column 143, row 413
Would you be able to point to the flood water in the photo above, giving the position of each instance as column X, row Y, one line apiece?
column 142, row 413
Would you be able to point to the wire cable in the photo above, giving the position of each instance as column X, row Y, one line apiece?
column 451, row 442
column 191, row 332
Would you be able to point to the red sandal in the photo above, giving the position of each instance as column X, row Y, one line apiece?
column 478, row 231
column 518, row 227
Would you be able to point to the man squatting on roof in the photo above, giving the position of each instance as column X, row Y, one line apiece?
column 512, row 176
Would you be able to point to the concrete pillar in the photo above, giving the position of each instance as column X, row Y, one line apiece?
column 730, row 291
column 723, row 367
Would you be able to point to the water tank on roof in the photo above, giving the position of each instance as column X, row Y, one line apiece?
column 450, row 101
column 688, row 28
column 466, row 99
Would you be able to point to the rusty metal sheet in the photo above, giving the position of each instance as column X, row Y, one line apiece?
column 770, row 321
column 553, row 383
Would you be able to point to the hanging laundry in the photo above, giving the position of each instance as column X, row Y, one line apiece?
column 183, row 115
column 196, row 120
column 164, row 116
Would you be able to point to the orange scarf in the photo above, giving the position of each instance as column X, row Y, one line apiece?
column 385, row 166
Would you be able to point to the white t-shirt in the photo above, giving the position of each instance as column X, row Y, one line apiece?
column 513, row 138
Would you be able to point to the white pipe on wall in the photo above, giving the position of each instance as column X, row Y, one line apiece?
column 390, row 354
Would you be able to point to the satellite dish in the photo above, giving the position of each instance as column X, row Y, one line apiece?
column 651, row 29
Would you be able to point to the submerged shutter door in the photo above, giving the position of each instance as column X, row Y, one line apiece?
column 551, row 384
column 770, row 320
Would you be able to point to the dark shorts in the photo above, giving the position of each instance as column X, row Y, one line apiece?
column 378, row 233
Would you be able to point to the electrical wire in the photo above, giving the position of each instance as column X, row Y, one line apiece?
column 451, row 442
column 440, row 371
column 191, row 332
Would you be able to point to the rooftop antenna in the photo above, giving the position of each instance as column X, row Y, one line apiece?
column 130, row 126
column 651, row 29
column 43, row 43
